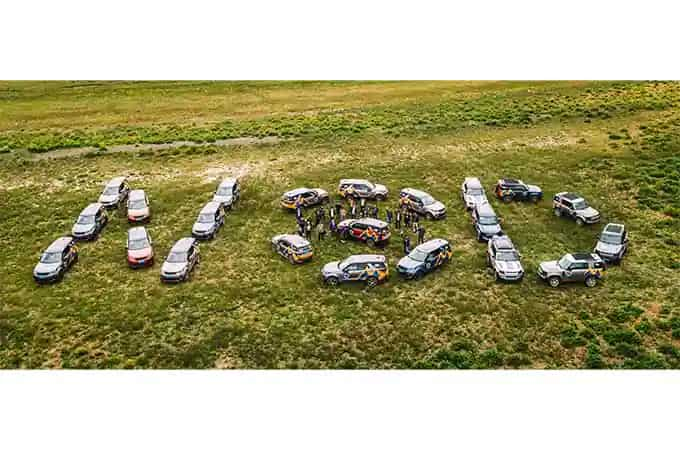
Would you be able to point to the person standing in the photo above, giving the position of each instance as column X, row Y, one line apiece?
column 376, row 211
column 342, row 214
column 338, row 206
column 362, row 202
column 416, row 222
column 407, row 245
column 332, row 226
column 397, row 219
column 407, row 219
column 388, row 216
column 353, row 213
column 421, row 235
column 308, row 229
column 320, row 231
column 332, row 211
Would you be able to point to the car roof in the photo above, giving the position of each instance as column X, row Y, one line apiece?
column 616, row 228
column 571, row 196
column 473, row 182
column 416, row 192
column 228, row 182
column 137, row 194
column 59, row 244
column 115, row 181
column 354, row 180
column 365, row 258
column 91, row 209
column 485, row 209
column 210, row 208
column 135, row 233
column 296, row 192
column 510, row 181
column 372, row 222
column 295, row 239
column 503, row 242
column 183, row 245
column 432, row 244
column 586, row 257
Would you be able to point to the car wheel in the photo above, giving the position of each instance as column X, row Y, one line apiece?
column 344, row 235
column 430, row 216
column 591, row 282
column 332, row 281
column 554, row 281
column 579, row 222
column 535, row 199
column 370, row 242
column 557, row 212
column 506, row 198
column 380, row 197
column 371, row 282
column 496, row 278
column 291, row 259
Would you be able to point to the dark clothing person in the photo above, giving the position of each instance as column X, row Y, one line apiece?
column 407, row 245
column 397, row 221
column 298, row 212
column 342, row 215
column 388, row 216
column 320, row 231
column 308, row 229
column 332, row 212
column 407, row 219
column 421, row 235
column 376, row 212
column 332, row 226
column 338, row 206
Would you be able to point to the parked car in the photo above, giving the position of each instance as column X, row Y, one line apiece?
column 369, row 269
column 139, row 248
column 293, row 247
column 228, row 192
column 115, row 192
column 424, row 259
column 138, row 206
column 304, row 197
column 504, row 259
column 422, row 203
column 59, row 257
column 209, row 221
column 181, row 261
column 90, row 223
column 368, row 230
column 612, row 244
column 508, row 189
column 573, row 206
column 485, row 222
column 472, row 192
column 577, row 267
column 358, row 188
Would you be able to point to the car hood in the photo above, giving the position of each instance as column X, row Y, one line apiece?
column 611, row 249
column 142, row 253
column 331, row 268
column 107, row 198
column 138, row 212
column 78, row 229
column 380, row 188
column 490, row 229
column 474, row 199
column 169, row 267
column 201, row 227
column 509, row 266
column 588, row 212
column 46, row 267
column 408, row 263
column 223, row 199
column 320, row 191
column 550, row 267
column 436, row 207
column 533, row 188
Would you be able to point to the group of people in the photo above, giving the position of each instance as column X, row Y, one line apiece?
column 403, row 219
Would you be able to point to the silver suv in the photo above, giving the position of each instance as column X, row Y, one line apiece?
column 181, row 260
column 115, row 192
column 573, row 206
column 472, row 192
column 362, row 189
column 209, row 221
column 422, row 203
column 504, row 259
column 90, row 223
column 612, row 243
column 587, row 268
column 227, row 193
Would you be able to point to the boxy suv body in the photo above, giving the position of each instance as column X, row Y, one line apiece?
column 612, row 243
column 358, row 188
column 115, row 192
column 90, row 223
column 369, row 269
column 293, row 247
column 227, row 193
column 56, row 260
column 573, row 206
column 304, row 197
column 508, row 190
column 485, row 222
column 138, row 209
column 424, row 259
column 587, row 268
column 209, row 221
column 472, row 192
column 504, row 259
column 422, row 203
column 181, row 261
column 139, row 248
column 368, row 230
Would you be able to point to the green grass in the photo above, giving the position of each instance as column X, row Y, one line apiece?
column 246, row 307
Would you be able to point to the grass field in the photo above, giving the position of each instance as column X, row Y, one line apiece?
column 617, row 143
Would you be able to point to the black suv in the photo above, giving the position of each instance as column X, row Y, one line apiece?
column 485, row 222
column 90, row 223
column 508, row 190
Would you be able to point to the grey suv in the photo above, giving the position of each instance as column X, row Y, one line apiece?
column 422, row 203
column 90, row 223
column 485, row 222
column 369, row 269
column 227, row 193
column 573, row 206
column 181, row 260
column 56, row 260
column 612, row 243
column 577, row 267
column 209, row 221
column 115, row 192
column 472, row 192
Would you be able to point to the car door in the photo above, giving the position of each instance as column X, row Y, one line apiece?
column 431, row 260
column 520, row 192
column 358, row 230
column 283, row 248
column 361, row 189
column 353, row 272
column 310, row 198
column 568, row 207
column 577, row 271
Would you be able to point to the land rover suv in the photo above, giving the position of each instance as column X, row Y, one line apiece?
column 508, row 189
column 422, row 203
column 115, row 192
column 90, row 222
column 504, row 259
column 485, row 222
column 181, row 261
column 56, row 260
column 369, row 269
column 368, row 230
column 424, row 259
column 227, row 193
column 575, row 207
column 586, row 268
column 612, row 243
column 209, row 221
column 362, row 189
column 303, row 197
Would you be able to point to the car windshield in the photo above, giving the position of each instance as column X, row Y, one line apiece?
column 224, row 191
column 565, row 262
column 370, row 186
column 138, row 244
column 137, row 204
column 610, row 238
column 507, row 256
column 177, row 257
column 427, row 200
column 85, row 220
column 418, row 255
column 488, row 220
column 477, row 192
column 303, row 250
column 344, row 264
column 111, row 190
column 580, row 204
column 205, row 218
column 50, row 258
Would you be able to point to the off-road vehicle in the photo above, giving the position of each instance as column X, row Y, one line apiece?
column 182, row 259
column 422, row 203
column 472, row 192
column 303, row 197
column 508, row 189
column 138, row 209
column 612, row 243
column 293, row 247
column 573, row 206
column 424, row 259
column 485, row 222
column 227, row 193
column 368, row 230
column 370, row 269
column 209, row 221
column 90, row 223
column 504, row 259
column 56, row 260
column 584, row 267
column 139, row 248
column 115, row 192
column 362, row 189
